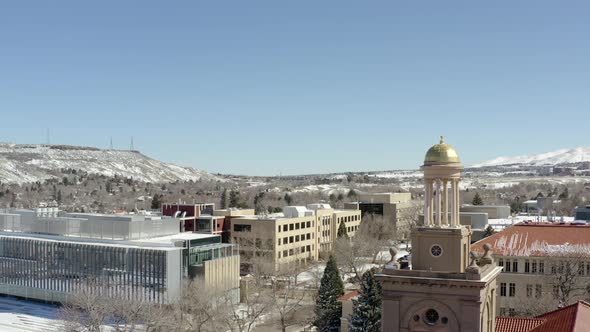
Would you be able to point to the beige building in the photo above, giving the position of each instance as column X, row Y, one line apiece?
column 445, row 290
column 397, row 208
column 541, row 261
column 296, row 236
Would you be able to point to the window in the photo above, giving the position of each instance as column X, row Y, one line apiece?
column 285, row 228
column 291, row 227
column 527, row 266
column 297, row 238
column 279, row 242
column 500, row 262
column 580, row 268
column 542, row 267
column 503, row 289
column 303, row 224
column 511, row 312
column 515, row 266
column 290, row 252
column 512, row 289
column 555, row 291
column 308, row 248
column 290, row 239
column 529, row 290
column 503, row 312
column 534, row 267
column 285, row 253
column 308, row 236
column 297, row 226
column 538, row 290
column 309, row 224
column 242, row 228
column 507, row 266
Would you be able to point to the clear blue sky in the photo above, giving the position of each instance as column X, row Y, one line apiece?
column 262, row 87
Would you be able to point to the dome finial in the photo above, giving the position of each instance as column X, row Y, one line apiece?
column 442, row 139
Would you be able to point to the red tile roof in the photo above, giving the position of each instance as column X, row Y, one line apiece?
column 348, row 296
column 517, row 324
column 538, row 239
column 573, row 318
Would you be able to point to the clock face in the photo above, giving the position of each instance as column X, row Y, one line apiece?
column 436, row 250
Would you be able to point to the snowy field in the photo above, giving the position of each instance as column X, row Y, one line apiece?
column 24, row 316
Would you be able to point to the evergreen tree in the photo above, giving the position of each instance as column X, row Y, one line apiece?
column 156, row 202
column 328, row 309
column 288, row 199
column 234, row 198
column 488, row 231
column 477, row 200
column 223, row 202
column 366, row 313
column 342, row 233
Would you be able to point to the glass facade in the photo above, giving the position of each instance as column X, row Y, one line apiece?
column 49, row 270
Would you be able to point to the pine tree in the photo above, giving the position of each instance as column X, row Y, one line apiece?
column 156, row 202
column 328, row 309
column 223, row 202
column 488, row 231
column 234, row 198
column 477, row 200
column 366, row 314
column 342, row 233
column 288, row 199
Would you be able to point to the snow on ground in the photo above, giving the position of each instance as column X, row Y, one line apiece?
column 549, row 158
column 36, row 162
column 25, row 316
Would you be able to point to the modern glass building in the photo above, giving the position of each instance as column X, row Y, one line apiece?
column 47, row 256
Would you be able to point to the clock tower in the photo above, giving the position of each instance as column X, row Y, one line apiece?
column 447, row 289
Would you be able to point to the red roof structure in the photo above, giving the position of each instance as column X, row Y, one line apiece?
column 348, row 296
column 573, row 318
column 539, row 239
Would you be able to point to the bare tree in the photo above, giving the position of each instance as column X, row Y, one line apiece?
column 287, row 298
column 244, row 316
column 567, row 264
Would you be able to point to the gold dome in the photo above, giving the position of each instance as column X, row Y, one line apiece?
column 441, row 153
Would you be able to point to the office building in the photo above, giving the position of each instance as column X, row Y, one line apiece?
column 48, row 255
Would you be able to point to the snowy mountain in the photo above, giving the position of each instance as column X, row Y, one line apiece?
column 563, row 156
column 21, row 163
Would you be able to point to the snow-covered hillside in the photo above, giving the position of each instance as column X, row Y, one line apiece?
column 20, row 163
column 550, row 158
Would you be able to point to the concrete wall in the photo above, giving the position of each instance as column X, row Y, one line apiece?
column 493, row 211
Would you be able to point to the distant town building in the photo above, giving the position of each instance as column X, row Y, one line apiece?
column 291, row 238
column 396, row 208
column 187, row 213
column 48, row 255
column 582, row 214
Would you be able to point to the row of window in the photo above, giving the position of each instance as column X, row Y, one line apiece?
column 507, row 312
column 296, row 251
column 349, row 218
column 296, row 238
column 295, row 226
column 534, row 266
column 511, row 289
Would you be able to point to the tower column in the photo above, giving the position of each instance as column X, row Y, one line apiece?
column 457, row 202
column 446, row 201
column 438, row 202
column 431, row 201
column 426, row 202
column 453, row 199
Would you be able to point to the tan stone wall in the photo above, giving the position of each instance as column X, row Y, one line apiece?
column 223, row 273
